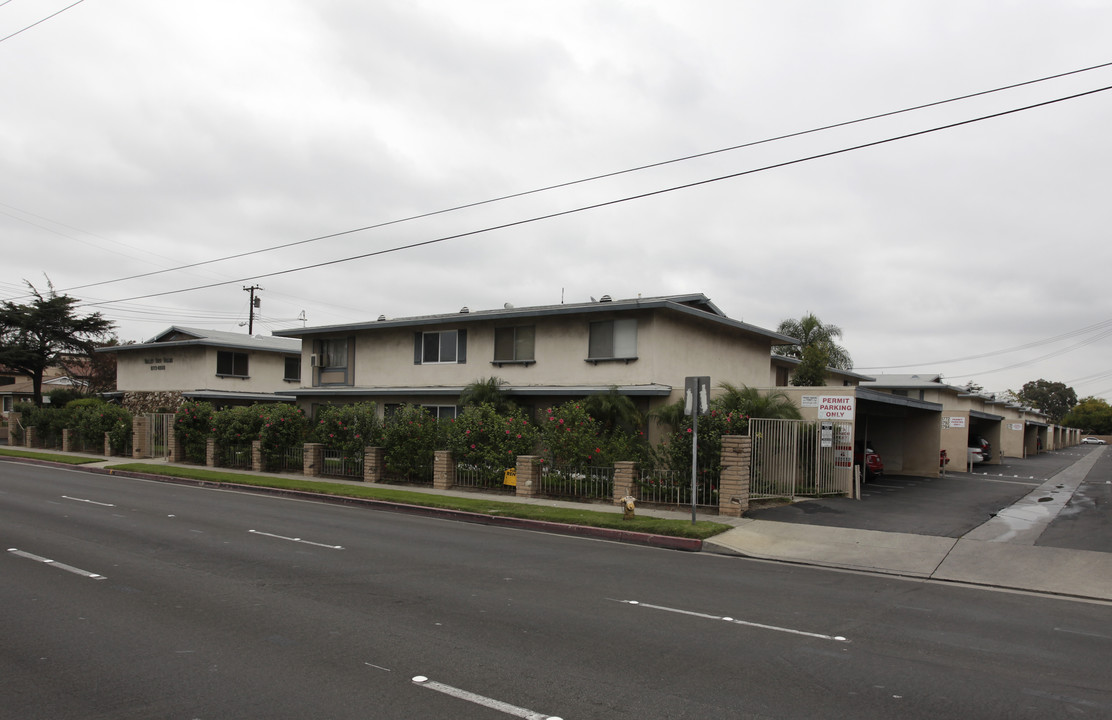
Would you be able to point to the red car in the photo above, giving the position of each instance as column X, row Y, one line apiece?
column 874, row 466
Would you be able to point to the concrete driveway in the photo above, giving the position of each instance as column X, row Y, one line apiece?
column 954, row 505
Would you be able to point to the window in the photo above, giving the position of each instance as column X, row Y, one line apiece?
column 332, row 354
column 613, row 339
column 782, row 376
column 334, row 358
column 231, row 364
column 293, row 369
column 514, row 344
column 7, row 403
column 441, row 412
column 440, row 347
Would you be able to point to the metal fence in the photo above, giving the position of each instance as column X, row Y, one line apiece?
column 158, row 434
column 585, row 483
column 237, row 457
column 292, row 459
column 482, row 478
column 337, row 463
column 664, row 487
column 797, row 458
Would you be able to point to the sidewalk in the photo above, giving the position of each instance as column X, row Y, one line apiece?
column 998, row 553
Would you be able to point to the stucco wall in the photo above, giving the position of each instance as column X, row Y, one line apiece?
column 194, row 368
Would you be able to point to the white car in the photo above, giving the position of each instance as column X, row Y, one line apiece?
column 1093, row 441
column 976, row 456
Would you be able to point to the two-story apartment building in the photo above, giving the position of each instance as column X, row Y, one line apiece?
column 644, row 347
column 221, row 367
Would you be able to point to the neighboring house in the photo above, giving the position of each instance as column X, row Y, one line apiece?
column 221, row 367
column 23, row 389
column 783, row 369
column 644, row 347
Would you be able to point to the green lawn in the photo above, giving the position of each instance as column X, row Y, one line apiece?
column 572, row 516
column 46, row 455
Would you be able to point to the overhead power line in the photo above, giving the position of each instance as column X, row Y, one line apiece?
column 40, row 22
column 618, row 201
column 593, row 178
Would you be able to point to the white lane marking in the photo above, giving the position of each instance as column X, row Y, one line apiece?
column 91, row 502
column 762, row 626
column 377, row 667
column 60, row 566
column 482, row 700
column 297, row 540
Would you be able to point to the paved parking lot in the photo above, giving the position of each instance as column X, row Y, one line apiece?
column 955, row 504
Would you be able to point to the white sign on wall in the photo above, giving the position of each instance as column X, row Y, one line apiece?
column 809, row 401
column 1015, row 426
column 836, row 408
column 956, row 422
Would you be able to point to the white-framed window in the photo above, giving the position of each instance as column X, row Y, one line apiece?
column 333, row 361
column 514, row 344
column 613, row 340
column 231, row 364
column 440, row 347
column 441, row 412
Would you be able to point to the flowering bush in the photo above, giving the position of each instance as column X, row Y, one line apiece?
column 410, row 438
column 93, row 420
column 192, row 427
column 570, row 436
column 674, row 452
column 282, row 426
column 484, row 438
column 350, row 428
column 236, row 426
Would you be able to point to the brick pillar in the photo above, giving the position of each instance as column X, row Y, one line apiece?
column 733, row 485
column 177, row 452
column 443, row 470
column 257, row 455
column 374, row 464
column 210, row 452
column 314, row 459
column 67, row 440
column 108, row 444
column 140, row 434
column 625, row 481
column 528, row 475
column 30, row 437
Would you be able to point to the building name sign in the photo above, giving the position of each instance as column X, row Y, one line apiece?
column 157, row 363
column 830, row 407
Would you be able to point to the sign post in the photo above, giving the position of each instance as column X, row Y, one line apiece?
column 696, row 402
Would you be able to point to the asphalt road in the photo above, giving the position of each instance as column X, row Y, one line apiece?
column 213, row 604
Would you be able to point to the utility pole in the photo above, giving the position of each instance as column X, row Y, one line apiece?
column 255, row 302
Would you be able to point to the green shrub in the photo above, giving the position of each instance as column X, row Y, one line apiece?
column 91, row 420
column 193, row 424
column 236, row 426
column 410, row 439
column 283, row 426
column 485, row 438
column 350, row 428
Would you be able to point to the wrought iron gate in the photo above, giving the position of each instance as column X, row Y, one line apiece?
column 800, row 458
column 158, row 434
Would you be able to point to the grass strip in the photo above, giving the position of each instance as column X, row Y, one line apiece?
column 67, row 459
column 572, row 516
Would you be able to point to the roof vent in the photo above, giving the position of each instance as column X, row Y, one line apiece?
column 508, row 306
column 605, row 298
column 381, row 318
column 464, row 309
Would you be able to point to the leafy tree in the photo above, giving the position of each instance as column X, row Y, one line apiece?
column 752, row 403
column 37, row 335
column 487, row 391
column 1092, row 416
column 812, row 371
column 809, row 330
column 1053, row 398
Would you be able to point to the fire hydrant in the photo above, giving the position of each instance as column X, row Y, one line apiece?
column 628, row 507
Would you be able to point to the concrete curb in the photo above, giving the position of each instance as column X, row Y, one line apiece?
column 623, row 536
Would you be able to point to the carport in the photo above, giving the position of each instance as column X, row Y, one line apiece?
column 1034, row 437
column 989, row 427
column 904, row 431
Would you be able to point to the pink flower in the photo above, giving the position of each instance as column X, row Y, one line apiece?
column 472, row 446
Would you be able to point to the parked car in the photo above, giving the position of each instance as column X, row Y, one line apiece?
column 976, row 456
column 864, row 455
column 981, row 445
column 1092, row 441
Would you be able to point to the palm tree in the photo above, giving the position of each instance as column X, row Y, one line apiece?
column 487, row 391
column 809, row 330
column 614, row 411
column 749, row 401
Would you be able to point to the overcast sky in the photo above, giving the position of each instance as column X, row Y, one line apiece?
column 140, row 136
